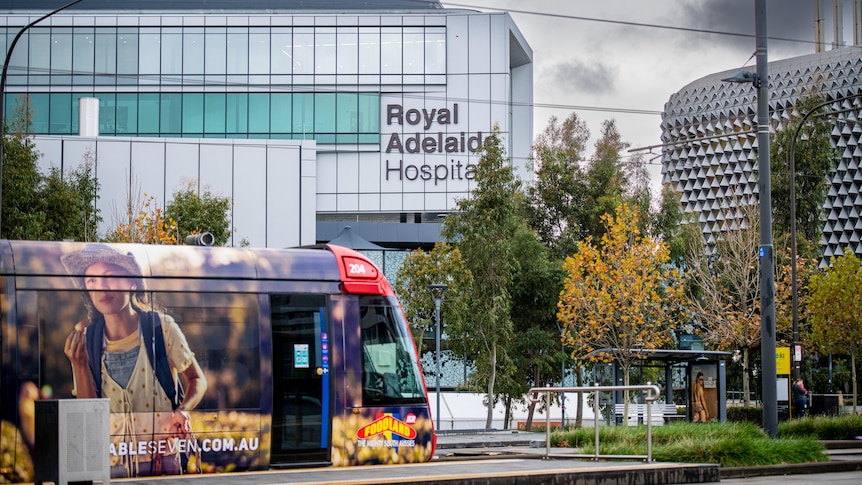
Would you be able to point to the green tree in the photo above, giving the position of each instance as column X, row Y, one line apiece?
column 606, row 180
column 22, row 217
column 670, row 224
column 196, row 212
column 419, row 270
column 836, row 310
column 557, row 198
column 482, row 228
column 45, row 207
column 69, row 203
column 536, row 352
column 814, row 158
column 620, row 297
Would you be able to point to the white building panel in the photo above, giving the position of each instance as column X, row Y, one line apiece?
column 347, row 167
column 369, row 202
column 499, row 51
column 457, row 45
column 249, row 221
column 414, row 202
column 369, row 173
column 480, row 44
column 217, row 168
column 184, row 166
column 283, row 197
column 348, row 202
column 148, row 171
column 392, row 202
column 74, row 151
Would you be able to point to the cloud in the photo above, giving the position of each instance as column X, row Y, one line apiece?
column 787, row 20
column 591, row 77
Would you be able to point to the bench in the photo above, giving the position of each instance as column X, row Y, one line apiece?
column 659, row 412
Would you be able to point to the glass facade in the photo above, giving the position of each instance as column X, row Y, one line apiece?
column 295, row 82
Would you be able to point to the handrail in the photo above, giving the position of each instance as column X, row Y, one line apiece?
column 652, row 392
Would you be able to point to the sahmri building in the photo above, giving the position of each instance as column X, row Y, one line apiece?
column 310, row 115
column 709, row 130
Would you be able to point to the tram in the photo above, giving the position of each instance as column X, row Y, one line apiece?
column 223, row 359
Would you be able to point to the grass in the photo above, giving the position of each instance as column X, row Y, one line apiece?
column 727, row 444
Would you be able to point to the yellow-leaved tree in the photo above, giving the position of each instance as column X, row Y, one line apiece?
column 621, row 298
column 146, row 224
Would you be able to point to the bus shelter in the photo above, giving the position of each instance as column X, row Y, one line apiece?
column 678, row 374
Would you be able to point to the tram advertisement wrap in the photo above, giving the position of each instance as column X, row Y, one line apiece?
column 403, row 435
column 100, row 327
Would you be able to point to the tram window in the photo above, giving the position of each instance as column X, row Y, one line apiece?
column 390, row 375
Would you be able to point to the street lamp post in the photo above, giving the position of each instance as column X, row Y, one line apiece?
column 437, row 292
column 769, row 382
column 3, row 93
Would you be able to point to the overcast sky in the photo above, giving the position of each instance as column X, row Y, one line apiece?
column 601, row 64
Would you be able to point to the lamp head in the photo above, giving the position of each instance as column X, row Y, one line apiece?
column 437, row 291
column 744, row 77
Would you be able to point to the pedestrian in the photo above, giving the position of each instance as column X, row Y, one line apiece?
column 800, row 398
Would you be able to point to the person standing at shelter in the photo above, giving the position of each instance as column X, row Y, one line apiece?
column 132, row 355
column 699, row 412
column 800, row 398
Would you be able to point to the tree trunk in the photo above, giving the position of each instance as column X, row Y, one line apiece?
column 508, row 416
column 626, row 397
column 579, row 419
column 532, row 408
column 853, row 367
column 492, row 363
column 746, row 383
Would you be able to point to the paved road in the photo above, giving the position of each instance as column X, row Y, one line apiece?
column 839, row 478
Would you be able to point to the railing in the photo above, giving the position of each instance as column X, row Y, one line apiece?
column 651, row 393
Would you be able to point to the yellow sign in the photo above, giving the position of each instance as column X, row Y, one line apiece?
column 782, row 361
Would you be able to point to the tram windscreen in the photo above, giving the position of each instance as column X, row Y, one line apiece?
column 390, row 371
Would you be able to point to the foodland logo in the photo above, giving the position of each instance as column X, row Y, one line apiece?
column 386, row 424
column 427, row 142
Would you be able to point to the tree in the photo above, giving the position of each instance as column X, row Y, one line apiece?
column 814, row 158
column 145, row 223
column 621, row 297
column 419, row 270
column 45, row 207
column 836, row 310
column 557, row 198
column 606, row 180
column 482, row 228
column 69, row 203
column 22, row 218
column 536, row 352
column 196, row 213
column 670, row 225
column 725, row 288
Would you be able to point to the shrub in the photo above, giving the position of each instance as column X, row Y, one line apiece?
column 728, row 444
column 752, row 415
column 822, row 428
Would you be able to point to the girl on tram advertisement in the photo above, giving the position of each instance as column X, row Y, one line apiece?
column 112, row 357
column 179, row 363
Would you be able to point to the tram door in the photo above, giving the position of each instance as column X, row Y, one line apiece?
column 300, row 408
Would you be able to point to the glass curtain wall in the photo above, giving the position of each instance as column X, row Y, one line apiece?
column 319, row 83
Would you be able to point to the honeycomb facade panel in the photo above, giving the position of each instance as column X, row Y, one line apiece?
column 709, row 129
